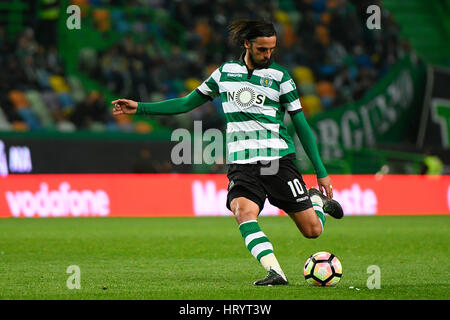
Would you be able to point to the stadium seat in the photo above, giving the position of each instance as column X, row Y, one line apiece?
column 66, row 126
column 327, row 94
column 39, row 108
column 143, row 127
column 323, row 35
column 102, row 19
column 125, row 123
column 282, row 17
column 18, row 99
column 19, row 126
column 192, row 83
column 307, row 88
column 43, row 78
column 59, row 84
column 325, row 89
column 319, row 5
column 331, row 4
column 87, row 59
column 66, row 101
column 311, row 105
column 96, row 126
column 76, row 88
column 83, row 4
column 51, row 100
column 295, row 17
column 4, row 123
column 30, row 118
column 303, row 74
column 327, row 70
column 120, row 23
column 202, row 28
column 325, row 18
column 327, row 102
column 289, row 38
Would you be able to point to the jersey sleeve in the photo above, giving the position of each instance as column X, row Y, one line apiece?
column 289, row 96
column 210, row 87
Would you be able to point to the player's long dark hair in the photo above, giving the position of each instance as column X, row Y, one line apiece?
column 250, row 29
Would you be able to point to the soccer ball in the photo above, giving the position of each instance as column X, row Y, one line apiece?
column 323, row 269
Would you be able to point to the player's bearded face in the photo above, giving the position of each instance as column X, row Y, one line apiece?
column 260, row 51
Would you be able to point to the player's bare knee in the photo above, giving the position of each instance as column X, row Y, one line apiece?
column 243, row 210
column 312, row 232
column 245, row 213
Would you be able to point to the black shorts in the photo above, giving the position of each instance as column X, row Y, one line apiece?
column 285, row 189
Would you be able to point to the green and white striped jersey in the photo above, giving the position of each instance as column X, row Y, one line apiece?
column 254, row 103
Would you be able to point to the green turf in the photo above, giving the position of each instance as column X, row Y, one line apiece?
column 205, row 258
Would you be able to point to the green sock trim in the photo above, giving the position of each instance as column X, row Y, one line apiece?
column 256, row 241
column 321, row 216
column 247, row 228
column 263, row 253
column 260, row 246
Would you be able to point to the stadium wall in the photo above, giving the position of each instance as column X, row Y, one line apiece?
column 168, row 195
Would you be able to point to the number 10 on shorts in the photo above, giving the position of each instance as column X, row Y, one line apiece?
column 296, row 187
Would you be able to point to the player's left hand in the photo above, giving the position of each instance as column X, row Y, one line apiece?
column 325, row 185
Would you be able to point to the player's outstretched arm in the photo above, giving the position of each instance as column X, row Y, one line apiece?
column 167, row 107
column 308, row 141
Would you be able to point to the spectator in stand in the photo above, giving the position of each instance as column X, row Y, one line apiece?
column 326, row 38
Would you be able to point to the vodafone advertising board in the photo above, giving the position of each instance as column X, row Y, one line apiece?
column 164, row 195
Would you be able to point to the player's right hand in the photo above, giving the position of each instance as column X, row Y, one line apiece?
column 124, row 106
column 325, row 186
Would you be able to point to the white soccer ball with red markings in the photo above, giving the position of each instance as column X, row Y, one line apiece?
column 323, row 269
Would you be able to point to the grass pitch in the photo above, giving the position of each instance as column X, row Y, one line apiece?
column 206, row 259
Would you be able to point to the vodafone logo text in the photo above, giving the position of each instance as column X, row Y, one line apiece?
column 62, row 202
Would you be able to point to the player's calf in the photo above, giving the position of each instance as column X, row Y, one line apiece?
column 308, row 222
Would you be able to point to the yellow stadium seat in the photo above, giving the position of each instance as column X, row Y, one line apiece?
column 59, row 84
column 311, row 105
column 303, row 74
column 282, row 17
column 192, row 83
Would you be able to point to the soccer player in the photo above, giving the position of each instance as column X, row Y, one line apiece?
column 255, row 93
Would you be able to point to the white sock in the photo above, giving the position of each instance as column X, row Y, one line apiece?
column 315, row 199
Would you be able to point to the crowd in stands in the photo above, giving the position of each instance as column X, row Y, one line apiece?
column 36, row 93
column 332, row 56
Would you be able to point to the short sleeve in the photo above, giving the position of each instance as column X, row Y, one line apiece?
column 210, row 87
column 289, row 95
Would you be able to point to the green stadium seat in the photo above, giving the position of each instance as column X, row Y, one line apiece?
column 307, row 88
column 97, row 127
column 77, row 88
column 87, row 59
column 40, row 109
column 4, row 123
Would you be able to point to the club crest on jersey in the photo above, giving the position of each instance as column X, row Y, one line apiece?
column 246, row 97
column 266, row 81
